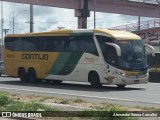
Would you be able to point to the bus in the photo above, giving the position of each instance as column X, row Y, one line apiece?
column 97, row 56
column 154, row 62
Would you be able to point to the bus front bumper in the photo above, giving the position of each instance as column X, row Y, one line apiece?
column 124, row 80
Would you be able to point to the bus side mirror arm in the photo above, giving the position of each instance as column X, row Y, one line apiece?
column 151, row 48
column 118, row 49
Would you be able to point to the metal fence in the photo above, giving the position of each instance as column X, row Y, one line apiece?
column 147, row 1
column 135, row 26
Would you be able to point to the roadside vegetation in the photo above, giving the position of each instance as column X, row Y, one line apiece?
column 93, row 111
column 10, row 104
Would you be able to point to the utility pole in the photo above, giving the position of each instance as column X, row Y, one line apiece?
column 31, row 18
column 94, row 14
column 2, row 30
column 14, row 17
column 139, row 22
column 13, row 22
column 5, row 31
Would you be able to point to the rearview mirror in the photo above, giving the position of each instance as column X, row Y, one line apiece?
column 151, row 48
column 118, row 49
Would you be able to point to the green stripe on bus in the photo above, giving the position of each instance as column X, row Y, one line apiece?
column 65, row 63
column 59, row 63
column 71, row 63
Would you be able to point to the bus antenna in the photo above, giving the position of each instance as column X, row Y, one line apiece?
column 60, row 28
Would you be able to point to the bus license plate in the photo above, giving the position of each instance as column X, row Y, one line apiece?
column 136, row 81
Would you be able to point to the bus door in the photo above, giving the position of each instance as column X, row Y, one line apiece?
column 111, row 60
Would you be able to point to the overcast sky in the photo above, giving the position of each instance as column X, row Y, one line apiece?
column 49, row 18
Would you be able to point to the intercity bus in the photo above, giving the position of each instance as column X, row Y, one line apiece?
column 154, row 62
column 98, row 56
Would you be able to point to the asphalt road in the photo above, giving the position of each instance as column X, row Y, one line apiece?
column 144, row 95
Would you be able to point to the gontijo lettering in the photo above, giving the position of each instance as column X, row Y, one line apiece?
column 35, row 56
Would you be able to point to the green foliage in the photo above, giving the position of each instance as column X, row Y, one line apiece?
column 22, row 106
column 8, row 104
column 4, row 99
column 69, row 118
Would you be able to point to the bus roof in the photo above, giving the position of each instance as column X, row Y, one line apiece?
column 118, row 34
column 48, row 33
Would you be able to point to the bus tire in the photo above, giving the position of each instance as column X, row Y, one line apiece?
column 22, row 74
column 32, row 76
column 121, row 86
column 94, row 79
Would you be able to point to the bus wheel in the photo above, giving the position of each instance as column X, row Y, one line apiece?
column 22, row 74
column 94, row 79
column 32, row 77
column 121, row 86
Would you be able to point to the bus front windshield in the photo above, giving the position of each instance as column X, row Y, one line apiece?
column 133, row 55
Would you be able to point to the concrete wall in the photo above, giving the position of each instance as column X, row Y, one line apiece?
column 149, row 35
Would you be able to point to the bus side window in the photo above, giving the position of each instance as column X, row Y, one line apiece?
column 86, row 44
column 73, row 46
column 51, row 46
column 154, row 62
column 79, row 44
column 67, row 44
column 92, row 47
column 103, row 39
column 9, row 43
column 109, row 54
column 83, row 45
column 25, row 48
column 150, row 60
column 158, row 60
column 44, row 45
column 59, row 45
column 32, row 43
column 18, row 44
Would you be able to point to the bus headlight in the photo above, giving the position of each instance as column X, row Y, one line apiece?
column 120, row 73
